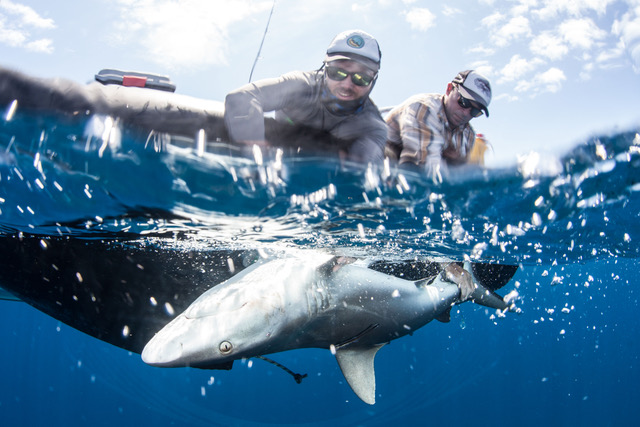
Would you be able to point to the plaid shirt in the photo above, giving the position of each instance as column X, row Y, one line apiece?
column 419, row 133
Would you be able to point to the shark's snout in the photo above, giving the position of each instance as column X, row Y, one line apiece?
column 198, row 337
column 157, row 353
column 166, row 348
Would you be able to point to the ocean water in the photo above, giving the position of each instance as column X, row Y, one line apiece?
column 568, row 357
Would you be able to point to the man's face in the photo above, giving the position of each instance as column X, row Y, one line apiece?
column 456, row 114
column 346, row 89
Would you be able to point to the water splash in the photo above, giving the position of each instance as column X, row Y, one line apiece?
column 92, row 175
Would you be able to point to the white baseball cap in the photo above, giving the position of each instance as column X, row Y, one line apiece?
column 355, row 45
column 474, row 86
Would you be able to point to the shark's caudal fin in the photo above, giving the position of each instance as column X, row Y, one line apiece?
column 487, row 298
column 358, row 369
column 484, row 296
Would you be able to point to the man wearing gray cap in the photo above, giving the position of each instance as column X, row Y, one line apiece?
column 334, row 99
column 432, row 131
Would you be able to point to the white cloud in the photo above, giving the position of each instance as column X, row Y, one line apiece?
column 523, row 7
column 450, row 11
column 482, row 50
column 523, row 86
column 576, row 8
column 420, row 18
column 585, row 74
column 517, row 68
column 361, row 7
column 581, row 33
column 553, row 29
column 628, row 30
column 492, row 20
column 549, row 81
column 10, row 36
column 187, row 33
column 506, row 97
column 610, row 55
column 517, row 27
column 26, row 16
column 484, row 68
column 41, row 46
column 548, row 45
column 16, row 21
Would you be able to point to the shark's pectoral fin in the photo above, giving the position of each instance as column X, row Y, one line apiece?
column 357, row 367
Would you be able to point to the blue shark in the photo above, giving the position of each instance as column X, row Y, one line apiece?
column 308, row 300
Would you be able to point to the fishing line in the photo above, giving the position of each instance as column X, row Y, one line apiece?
column 297, row 377
column 262, row 42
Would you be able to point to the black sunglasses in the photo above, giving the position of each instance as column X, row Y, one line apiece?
column 358, row 79
column 466, row 104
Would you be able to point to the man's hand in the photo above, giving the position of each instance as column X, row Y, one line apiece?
column 434, row 168
column 455, row 274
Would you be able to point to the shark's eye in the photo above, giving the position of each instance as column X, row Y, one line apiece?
column 225, row 347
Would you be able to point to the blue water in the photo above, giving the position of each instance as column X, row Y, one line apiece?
column 570, row 357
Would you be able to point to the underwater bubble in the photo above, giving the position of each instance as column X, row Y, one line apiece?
column 169, row 309
column 11, row 110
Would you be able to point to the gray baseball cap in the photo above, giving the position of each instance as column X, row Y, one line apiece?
column 355, row 45
column 474, row 86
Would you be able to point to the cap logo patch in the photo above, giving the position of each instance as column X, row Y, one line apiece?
column 355, row 42
column 483, row 85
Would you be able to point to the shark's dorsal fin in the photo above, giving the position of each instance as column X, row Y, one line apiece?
column 357, row 367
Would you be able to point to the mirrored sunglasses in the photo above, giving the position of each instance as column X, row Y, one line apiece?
column 466, row 104
column 358, row 79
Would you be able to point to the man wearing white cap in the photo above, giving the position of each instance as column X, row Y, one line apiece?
column 431, row 131
column 334, row 99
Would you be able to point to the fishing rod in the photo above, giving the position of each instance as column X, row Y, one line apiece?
column 262, row 42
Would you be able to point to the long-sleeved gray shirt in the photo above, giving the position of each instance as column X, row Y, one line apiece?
column 297, row 98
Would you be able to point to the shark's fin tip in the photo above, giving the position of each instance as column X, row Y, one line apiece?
column 358, row 369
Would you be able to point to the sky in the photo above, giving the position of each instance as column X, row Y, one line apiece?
column 562, row 71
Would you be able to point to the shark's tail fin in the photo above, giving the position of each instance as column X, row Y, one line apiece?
column 487, row 278
column 493, row 276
